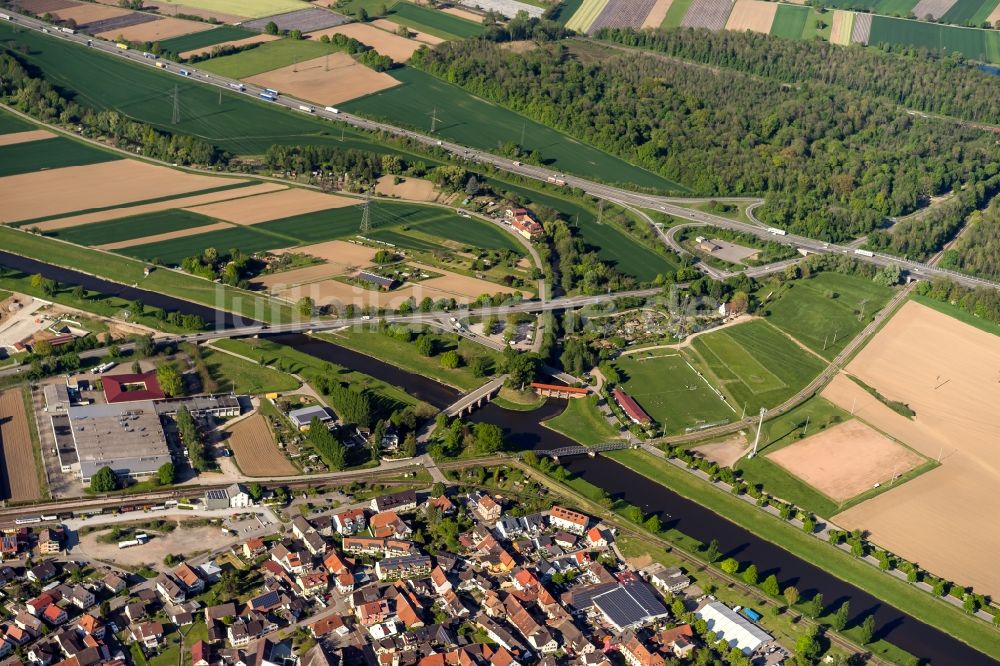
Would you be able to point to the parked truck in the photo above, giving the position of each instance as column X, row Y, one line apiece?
column 123, row 47
column 128, row 543
column 865, row 253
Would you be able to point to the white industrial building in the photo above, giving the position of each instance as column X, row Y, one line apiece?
column 733, row 628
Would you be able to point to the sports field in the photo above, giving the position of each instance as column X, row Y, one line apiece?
column 239, row 125
column 671, row 392
column 50, row 153
column 790, row 21
column 128, row 228
column 826, row 311
column 224, row 33
column 267, row 57
column 439, row 24
column 756, row 364
column 469, row 120
column 973, row 43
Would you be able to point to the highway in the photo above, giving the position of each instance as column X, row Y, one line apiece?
column 664, row 204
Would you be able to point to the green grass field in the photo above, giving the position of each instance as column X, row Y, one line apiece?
column 611, row 243
column 583, row 422
column 567, row 9
column 678, row 8
column 235, row 374
column 240, row 124
column 128, row 228
column 247, row 239
column 823, row 312
column 964, row 12
column 756, row 364
column 466, row 119
column 663, row 383
column 10, row 123
column 973, row 43
column 54, row 153
column 888, row 7
column 790, row 21
column 431, row 21
column 266, row 57
column 471, row 232
column 197, row 40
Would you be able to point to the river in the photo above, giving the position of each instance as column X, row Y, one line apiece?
column 524, row 430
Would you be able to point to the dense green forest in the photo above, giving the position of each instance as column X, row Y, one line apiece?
column 832, row 163
column 977, row 250
column 915, row 78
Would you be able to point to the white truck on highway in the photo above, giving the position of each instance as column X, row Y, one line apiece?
column 305, row 109
column 776, row 231
column 865, row 253
column 332, row 109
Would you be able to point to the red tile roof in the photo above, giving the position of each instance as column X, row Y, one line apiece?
column 115, row 387
column 630, row 406
column 558, row 387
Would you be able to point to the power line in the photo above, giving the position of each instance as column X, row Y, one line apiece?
column 175, row 117
column 366, row 215
column 434, row 120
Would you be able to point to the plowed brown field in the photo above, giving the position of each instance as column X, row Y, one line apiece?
column 256, row 453
column 18, row 476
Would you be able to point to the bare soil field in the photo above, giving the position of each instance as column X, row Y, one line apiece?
column 463, row 13
column 306, row 20
column 256, row 39
column 18, row 477
column 840, row 32
column 934, row 8
column 183, row 202
column 413, row 189
column 388, row 25
column 60, row 191
column 171, row 9
column 89, row 12
column 43, row 6
column 949, row 374
column 182, row 541
column 165, row 28
column 170, row 235
column 338, row 252
column 341, row 257
column 726, row 452
column 846, row 460
column 346, row 79
column 273, row 206
column 398, row 48
column 994, row 16
column 656, row 15
column 24, row 137
column 754, row 15
column 711, row 14
column 256, row 453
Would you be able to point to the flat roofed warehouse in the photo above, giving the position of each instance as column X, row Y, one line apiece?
column 127, row 437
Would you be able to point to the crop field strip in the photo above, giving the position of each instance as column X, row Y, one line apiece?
column 240, row 125
column 711, row 14
column 19, row 477
column 439, row 24
column 267, row 57
column 132, row 227
column 53, row 153
column 254, row 9
column 861, row 29
column 256, row 453
column 586, row 14
column 933, row 8
column 842, row 26
column 887, row 7
column 224, row 33
column 973, row 43
column 471, row 121
column 10, row 124
column 964, row 12
column 755, row 15
column 675, row 15
column 623, row 14
column 307, row 19
column 790, row 21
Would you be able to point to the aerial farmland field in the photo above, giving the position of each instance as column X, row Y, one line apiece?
column 440, row 24
column 267, row 57
column 128, row 228
column 790, row 21
column 887, row 7
column 18, row 476
column 52, row 153
column 973, row 43
column 10, row 123
column 256, row 453
column 171, row 252
column 586, row 15
column 254, row 9
column 972, row 12
column 223, row 33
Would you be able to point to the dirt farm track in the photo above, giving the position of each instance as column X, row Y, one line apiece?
column 18, row 477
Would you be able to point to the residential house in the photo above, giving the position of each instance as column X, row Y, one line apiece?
column 350, row 522
column 220, row 611
column 92, row 625
column 440, row 581
column 9, row 546
column 289, row 560
column 254, row 548
column 135, row 611
column 149, row 634
column 636, row 653
column 484, row 507
column 301, row 527
column 313, row 583
column 442, row 504
column 315, row 543
column 598, row 538
column 82, row 597
column 331, row 624
column 679, row 641
column 169, row 589
column 54, row 615
column 42, row 572
column 114, row 583
column 399, row 502
column 49, row 542
column 189, row 579
column 670, row 580
column 43, row 654
column 242, row 632
column 17, row 636
column 200, row 654
column 398, row 568
column 372, row 612
column 388, row 524
column 569, row 520
column 37, row 605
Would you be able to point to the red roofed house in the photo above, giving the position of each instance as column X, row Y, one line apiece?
column 39, row 603
column 332, row 624
column 631, row 408
column 54, row 615
column 559, row 391
column 523, row 223
column 597, row 538
column 569, row 520
column 200, row 654
column 131, row 387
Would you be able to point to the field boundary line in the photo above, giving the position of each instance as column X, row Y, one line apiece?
column 709, row 385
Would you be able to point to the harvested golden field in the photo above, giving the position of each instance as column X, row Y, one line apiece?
column 169, row 235
column 171, row 9
column 327, row 80
column 840, row 32
column 341, row 257
column 389, row 26
column 18, row 476
column 413, row 189
column 154, row 31
column 463, row 13
column 256, row 453
column 949, row 373
column 256, row 39
column 273, row 206
column 753, row 15
column 60, row 191
column 89, row 12
column 398, row 48
column 24, row 137
column 183, row 202
column 846, row 460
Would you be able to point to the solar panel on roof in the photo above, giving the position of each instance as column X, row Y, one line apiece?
column 266, row 599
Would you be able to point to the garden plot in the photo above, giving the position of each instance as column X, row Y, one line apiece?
column 24, row 137
column 328, row 80
column 933, row 8
column 306, row 20
column 623, row 14
column 274, row 206
column 656, row 15
column 246, row 41
column 18, row 478
column 753, row 15
column 396, row 47
column 154, row 31
column 710, row 14
column 256, row 453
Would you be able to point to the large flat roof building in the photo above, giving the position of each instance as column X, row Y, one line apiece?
column 127, row 437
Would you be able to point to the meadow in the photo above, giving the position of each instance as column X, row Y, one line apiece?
column 756, row 364
column 582, row 421
column 790, row 21
column 567, row 9
column 663, row 383
column 888, row 7
column 823, row 312
column 266, row 57
column 54, row 153
column 197, row 40
column 134, row 226
column 973, row 43
column 240, row 124
column 10, row 123
column 469, row 120
column 468, row 231
column 433, row 22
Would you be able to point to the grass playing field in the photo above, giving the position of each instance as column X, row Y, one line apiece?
column 469, row 120
column 10, row 124
column 431, row 21
column 756, row 364
column 197, row 40
column 824, row 312
column 671, row 392
column 973, row 43
column 239, row 124
column 790, row 21
column 266, row 57
column 127, row 228
column 49, row 154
